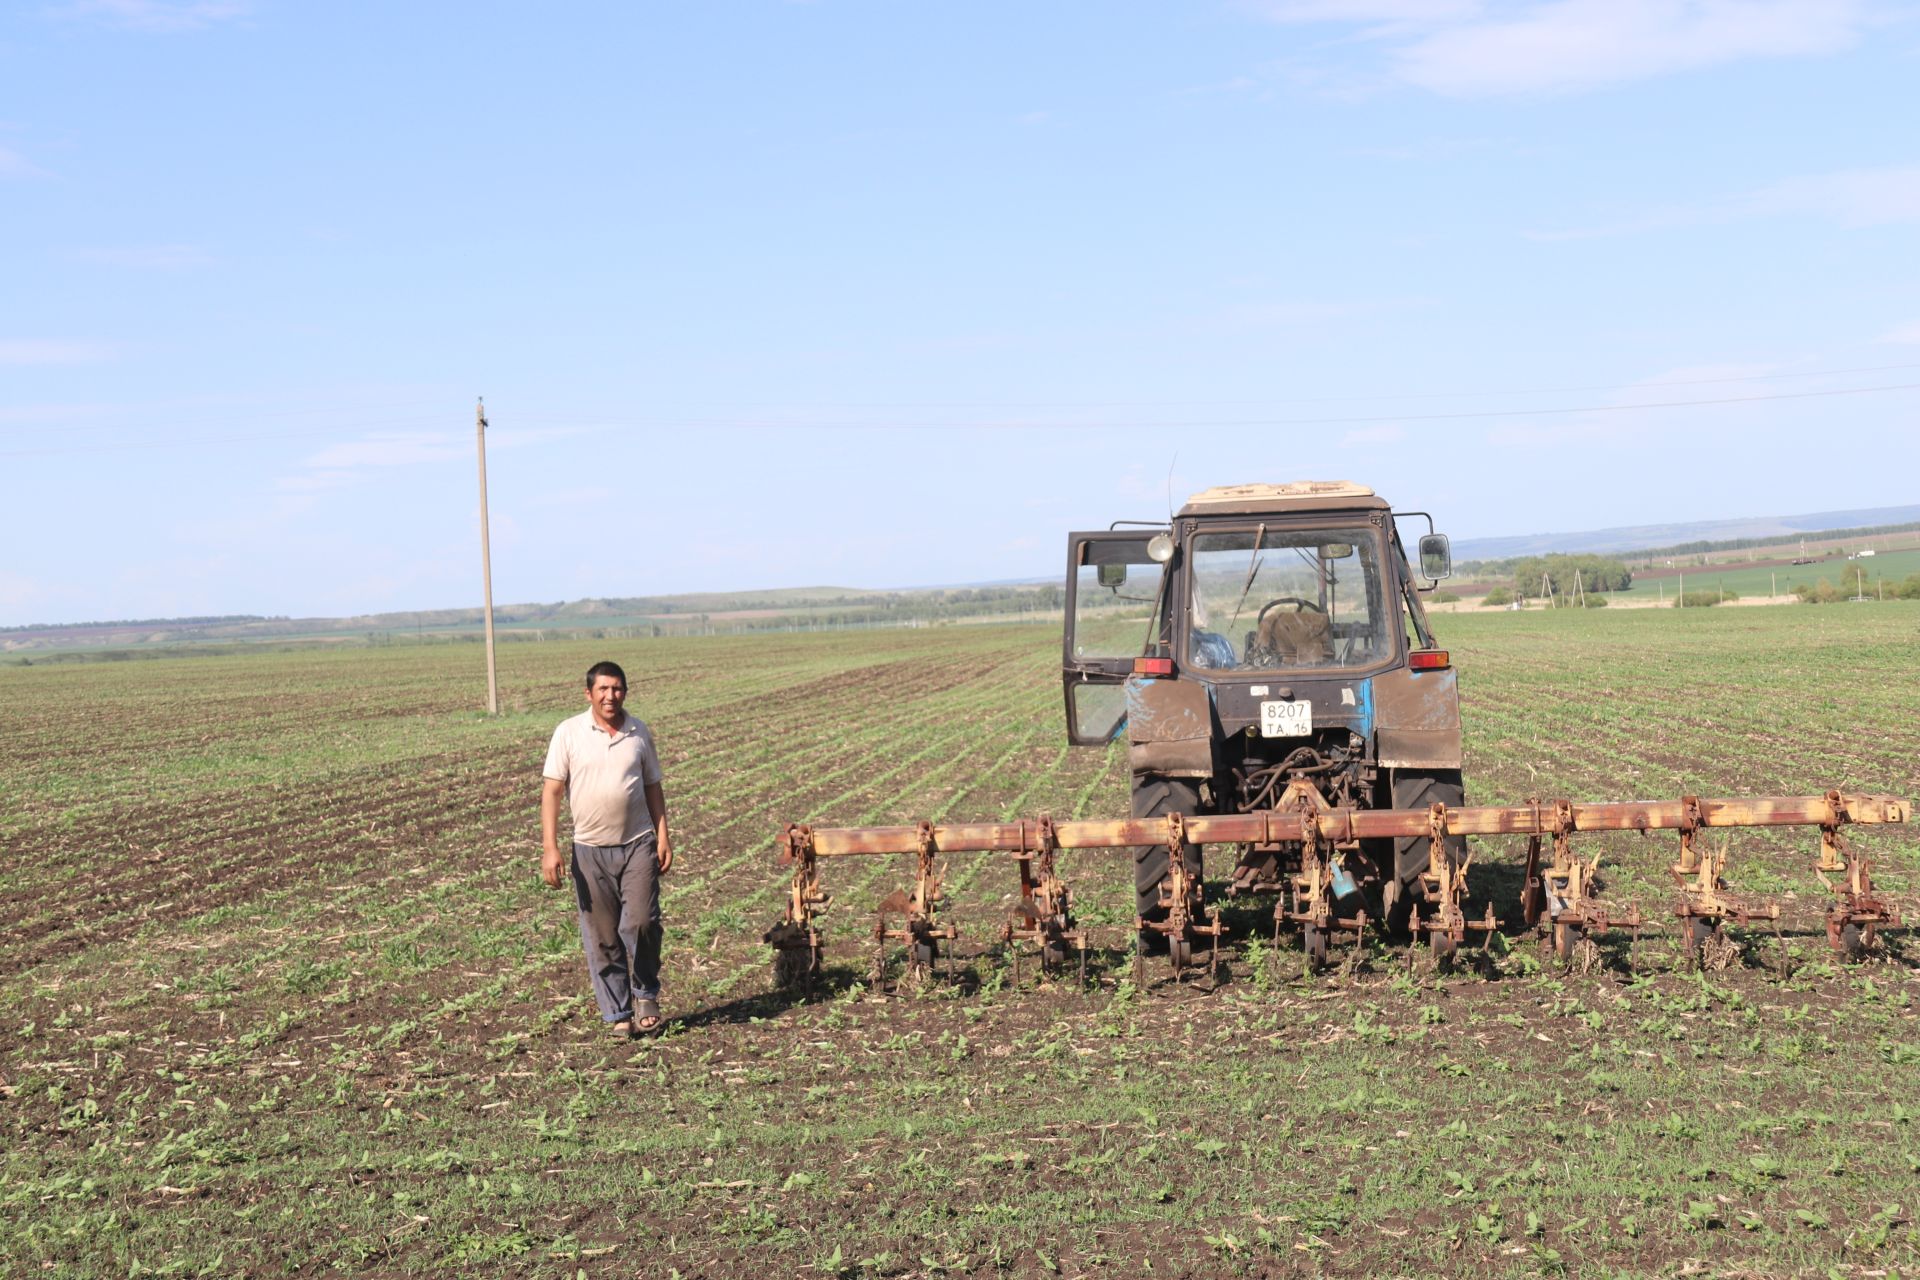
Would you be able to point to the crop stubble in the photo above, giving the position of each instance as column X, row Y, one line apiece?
column 282, row 976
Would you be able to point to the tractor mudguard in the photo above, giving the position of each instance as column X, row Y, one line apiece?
column 1416, row 719
column 1170, row 729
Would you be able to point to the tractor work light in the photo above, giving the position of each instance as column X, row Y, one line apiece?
column 1428, row 660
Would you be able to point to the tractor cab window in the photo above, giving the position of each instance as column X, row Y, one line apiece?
column 1116, row 599
column 1266, row 599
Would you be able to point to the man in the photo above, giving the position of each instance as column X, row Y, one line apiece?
column 604, row 762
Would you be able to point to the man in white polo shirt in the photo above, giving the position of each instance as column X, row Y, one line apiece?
column 603, row 761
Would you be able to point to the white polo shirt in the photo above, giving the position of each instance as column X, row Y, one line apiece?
column 606, row 775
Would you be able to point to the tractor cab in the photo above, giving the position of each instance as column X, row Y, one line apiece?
column 1248, row 590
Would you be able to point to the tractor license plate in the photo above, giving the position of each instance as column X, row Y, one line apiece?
column 1286, row 719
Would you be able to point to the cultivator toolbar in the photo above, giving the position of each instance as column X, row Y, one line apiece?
column 1319, row 847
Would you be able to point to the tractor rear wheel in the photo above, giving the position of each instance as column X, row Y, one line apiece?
column 1156, row 798
column 1420, row 789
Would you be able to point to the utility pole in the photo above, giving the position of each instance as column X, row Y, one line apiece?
column 486, row 553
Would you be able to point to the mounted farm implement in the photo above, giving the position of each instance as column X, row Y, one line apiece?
column 1321, row 744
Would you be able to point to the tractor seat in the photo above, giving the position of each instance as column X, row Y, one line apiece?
column 1302, row 637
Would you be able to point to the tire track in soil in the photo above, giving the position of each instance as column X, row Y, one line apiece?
column 822, row 787
column 46, row 938
column 564, row 961
column 861, row 891
column 147, row 823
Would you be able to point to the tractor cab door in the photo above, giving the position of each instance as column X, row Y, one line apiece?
column 1116, row 611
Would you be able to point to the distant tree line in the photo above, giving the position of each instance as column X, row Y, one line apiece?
column 151, row 622
column 1774, row 540
column 1484, row 569
column 1594, row 573
column 1824, row 592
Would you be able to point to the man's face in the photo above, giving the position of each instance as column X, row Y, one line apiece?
column 606, row 695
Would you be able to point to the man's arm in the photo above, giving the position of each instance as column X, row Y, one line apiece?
column 657, row 807
column 551, row 789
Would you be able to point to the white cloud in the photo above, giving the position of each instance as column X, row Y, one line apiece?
column 1305, row 312
column 352, row 461
column 384, row 451
column 158, row 257
column 585, row 496
column 157, row 15
column 1853, row 198
column 1903, row 335
column 15, row 165
column 1394, row 13
column 42, row 351
column 1372, row 437
column 1463, row 49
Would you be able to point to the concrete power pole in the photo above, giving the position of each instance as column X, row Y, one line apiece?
column 486, row 554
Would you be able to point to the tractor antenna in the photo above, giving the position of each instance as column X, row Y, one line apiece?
column 1170, row 466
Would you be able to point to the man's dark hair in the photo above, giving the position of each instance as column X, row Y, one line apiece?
column 599, row 669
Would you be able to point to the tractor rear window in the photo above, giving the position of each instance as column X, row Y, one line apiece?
column 1269, row 600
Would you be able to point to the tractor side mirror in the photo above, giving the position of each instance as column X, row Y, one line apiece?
column 1436, row 557
column 1113, row 576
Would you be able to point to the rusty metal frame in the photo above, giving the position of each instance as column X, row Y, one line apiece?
column 920, row 933
column 1565, row 893
column 1044, row 914
column 1344, row 824
column 1857, row 912
column 1705, row 902
column 795, row 940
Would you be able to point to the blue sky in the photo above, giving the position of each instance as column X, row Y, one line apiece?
column 897, row 293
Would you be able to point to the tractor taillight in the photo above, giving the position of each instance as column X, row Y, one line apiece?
column 1153, row 666
column 1428, row 660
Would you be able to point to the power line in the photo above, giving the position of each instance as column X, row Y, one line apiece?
column 1371, row 396
column 1181, row 424
column 1380, row 418
column 420, row 419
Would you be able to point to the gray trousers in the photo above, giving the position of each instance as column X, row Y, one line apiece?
column 619, row 891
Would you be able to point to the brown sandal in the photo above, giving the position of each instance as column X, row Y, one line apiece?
column 647, row 1018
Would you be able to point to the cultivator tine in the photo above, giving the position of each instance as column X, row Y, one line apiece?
column 919, row 933
column 1446, row 888
column 795, row 941
column 1569, row 894
column 1180, row 898
column 1044, row 913
column 1705, row 903
column 1857, row 911
column 1308, row 897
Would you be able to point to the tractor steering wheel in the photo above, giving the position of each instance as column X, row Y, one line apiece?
column 1299, row 606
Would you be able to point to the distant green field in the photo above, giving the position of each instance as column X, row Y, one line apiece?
column 1891, row 565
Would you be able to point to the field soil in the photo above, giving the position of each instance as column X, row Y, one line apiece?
column 284, row 996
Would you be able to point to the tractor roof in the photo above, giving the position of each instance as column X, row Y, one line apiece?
column 1300, row 495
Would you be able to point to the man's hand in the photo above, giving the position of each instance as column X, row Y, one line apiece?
column 551, row 789
column 657, row 810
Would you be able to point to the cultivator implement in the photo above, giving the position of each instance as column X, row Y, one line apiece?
column 1316, row 843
